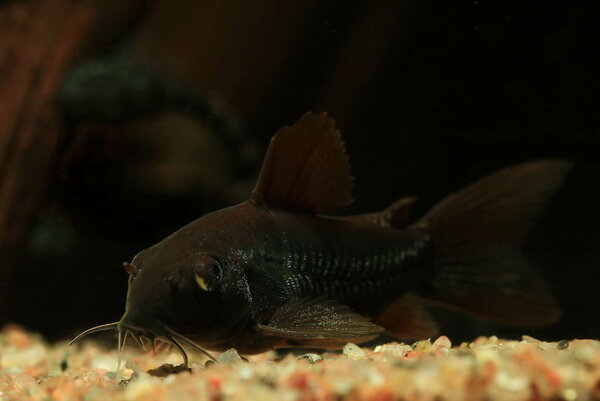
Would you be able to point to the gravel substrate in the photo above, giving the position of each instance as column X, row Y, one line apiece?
column 486, row 369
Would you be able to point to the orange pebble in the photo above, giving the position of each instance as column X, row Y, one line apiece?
column 382, row 394
column 18, row 338
column 298, row 380
column 414, row 354
column 214, row 383
column 554, row 378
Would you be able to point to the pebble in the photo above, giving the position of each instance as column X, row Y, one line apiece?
column 245, row 372
column 353, row 351
column 442, row 341
column 229, row 357
column 489, row 368
column 394, row 349
column 312, row 358
column 422, row 346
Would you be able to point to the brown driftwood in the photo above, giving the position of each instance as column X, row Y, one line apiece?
column 39, row 40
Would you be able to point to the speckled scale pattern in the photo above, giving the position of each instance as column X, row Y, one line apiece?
column 345, row 273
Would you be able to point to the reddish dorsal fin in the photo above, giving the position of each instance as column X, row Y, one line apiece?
column 306, row 168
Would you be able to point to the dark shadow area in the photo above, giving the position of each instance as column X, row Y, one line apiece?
column 170, row 119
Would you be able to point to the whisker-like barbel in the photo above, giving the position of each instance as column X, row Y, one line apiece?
column 102, row 327
column 122, row 338
column 179, row 348
column 190, row 343
column 140, row 342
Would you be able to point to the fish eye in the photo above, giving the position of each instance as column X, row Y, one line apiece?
column 216, row 270
column 207, row 272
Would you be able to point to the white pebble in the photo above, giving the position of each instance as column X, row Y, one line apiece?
column 442, row 341
column 394, row 349
column 229, row 357
column 353, row 351
column 311, row 357
column 245, row 372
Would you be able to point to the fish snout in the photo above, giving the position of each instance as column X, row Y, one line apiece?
column 143, row 324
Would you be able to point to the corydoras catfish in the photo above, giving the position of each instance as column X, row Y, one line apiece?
column 275, row 271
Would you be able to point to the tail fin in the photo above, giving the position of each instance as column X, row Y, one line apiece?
column 477, row 235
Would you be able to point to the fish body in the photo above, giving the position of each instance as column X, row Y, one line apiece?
column 276, row 271
column 270, row 258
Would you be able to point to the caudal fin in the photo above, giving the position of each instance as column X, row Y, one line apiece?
column 477, row 235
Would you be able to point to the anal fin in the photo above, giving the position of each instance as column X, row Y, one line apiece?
column 407, row 319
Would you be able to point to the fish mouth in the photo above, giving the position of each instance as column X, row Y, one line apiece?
column 158, row 331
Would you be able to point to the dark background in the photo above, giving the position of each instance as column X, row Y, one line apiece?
column 169, row 117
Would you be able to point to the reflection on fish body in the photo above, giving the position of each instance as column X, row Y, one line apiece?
column 275, row 272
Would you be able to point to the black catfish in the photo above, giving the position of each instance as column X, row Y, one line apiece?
column 275, row 272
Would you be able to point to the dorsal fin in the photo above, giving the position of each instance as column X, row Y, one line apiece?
column 306, row 168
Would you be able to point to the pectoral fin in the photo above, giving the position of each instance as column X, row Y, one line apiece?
column 318, row 319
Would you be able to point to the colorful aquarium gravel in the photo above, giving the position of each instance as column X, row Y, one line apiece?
column 486, row 369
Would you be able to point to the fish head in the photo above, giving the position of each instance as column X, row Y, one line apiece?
column 192, row 283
